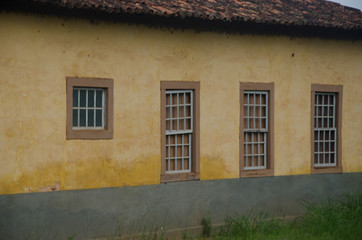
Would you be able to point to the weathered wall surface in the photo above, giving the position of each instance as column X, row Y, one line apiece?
column 109, row 212
column 38, row 53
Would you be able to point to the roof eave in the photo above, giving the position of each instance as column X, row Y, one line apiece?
column 237, row 25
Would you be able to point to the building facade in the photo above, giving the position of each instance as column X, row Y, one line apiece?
column 152, row 126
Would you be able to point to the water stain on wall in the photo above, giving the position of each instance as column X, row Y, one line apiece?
column 84, row 174
column 213, row 167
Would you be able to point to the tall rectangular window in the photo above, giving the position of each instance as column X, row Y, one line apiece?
column 325, row 131
column 256, row 129
column 326, row 119
column 89, row 108
column 179, row 131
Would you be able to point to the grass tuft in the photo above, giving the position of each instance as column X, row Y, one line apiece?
column 334, row 219
column 206, row 227
column 330, row 219
column 244, row 227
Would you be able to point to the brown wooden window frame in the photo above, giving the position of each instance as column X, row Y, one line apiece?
column 107, row 85
column 338, row 90
column 269, row 171
column 195, row 164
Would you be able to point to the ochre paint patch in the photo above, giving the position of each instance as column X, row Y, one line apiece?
column 214, row 168
column 84, row 174
column 42, row 178
column 99, row 173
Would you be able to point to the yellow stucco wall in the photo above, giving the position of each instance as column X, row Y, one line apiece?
column 38, row 53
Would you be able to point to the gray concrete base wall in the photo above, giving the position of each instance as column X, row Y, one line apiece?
column 129, row 210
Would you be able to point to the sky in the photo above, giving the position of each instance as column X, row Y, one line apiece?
column 350, row 3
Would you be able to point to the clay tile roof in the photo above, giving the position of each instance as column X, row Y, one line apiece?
column 317, row 13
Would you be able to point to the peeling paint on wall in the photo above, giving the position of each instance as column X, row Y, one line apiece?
column 48, row 188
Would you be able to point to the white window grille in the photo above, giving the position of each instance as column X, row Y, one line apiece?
column 325, row 131
column 88, row 108
column 255, row 129
column 179, row 130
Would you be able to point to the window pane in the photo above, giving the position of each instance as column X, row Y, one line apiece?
column 90, row 118
column 263, row 99
column 187, row 98
column 99, row 118
column 188, row 124
column 188, row 111
column 75, row 118
column 182, row 124
column 167, row 112
column 172, row 152
column 90, row 98
column 179, row 164
column 82, row 98
column 332, row 158
column 172, row 139
column 174, row 99
column 172, row 165
column 182, row 111
column 174, row 125
column 174, row 112
column 99, row 98
column 186, row 150
column 168, row 99
column 186, row 164
column 82, row 118
column 75, row 98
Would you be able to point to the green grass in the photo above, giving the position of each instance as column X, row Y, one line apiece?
column 331, row 219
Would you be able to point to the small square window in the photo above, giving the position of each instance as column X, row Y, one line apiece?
column 89, row 108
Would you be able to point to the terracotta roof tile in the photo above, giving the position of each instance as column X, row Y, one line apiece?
column 285, row 12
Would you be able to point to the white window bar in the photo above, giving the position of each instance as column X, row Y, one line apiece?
column 325, row 131
column 77, row 108
column 248, row 110
column 178, row 128
column 255, row 136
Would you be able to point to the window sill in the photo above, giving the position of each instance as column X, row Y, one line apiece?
column 257, row 173
column 178, row 177
column 321, row 170
column 90, row 134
